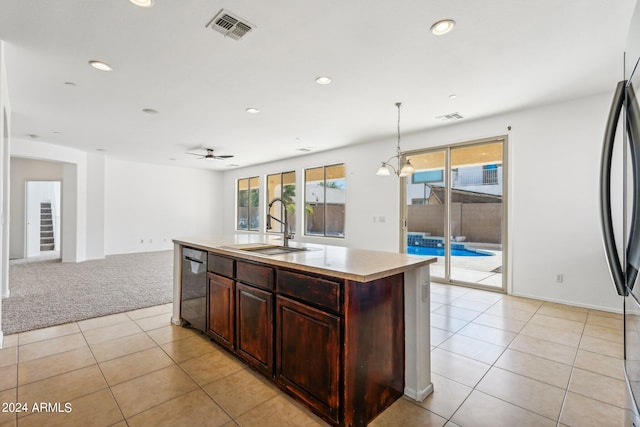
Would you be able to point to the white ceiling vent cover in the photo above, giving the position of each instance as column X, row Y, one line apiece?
column 451, row 116
column 230, row 25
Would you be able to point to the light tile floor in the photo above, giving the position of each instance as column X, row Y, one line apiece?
column 497, row 361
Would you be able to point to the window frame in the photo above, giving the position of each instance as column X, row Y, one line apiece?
column 309, row 208
column 269, row 197
column 251, row 189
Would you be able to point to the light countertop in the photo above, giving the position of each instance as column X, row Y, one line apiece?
column 361, row 265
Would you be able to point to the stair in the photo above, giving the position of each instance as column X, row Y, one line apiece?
column 47, row 242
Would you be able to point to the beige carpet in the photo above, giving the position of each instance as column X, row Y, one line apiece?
column 50, row 293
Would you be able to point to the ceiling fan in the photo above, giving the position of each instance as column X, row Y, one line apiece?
column 210, row 155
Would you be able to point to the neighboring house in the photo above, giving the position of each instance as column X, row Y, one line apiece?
column 484, row 179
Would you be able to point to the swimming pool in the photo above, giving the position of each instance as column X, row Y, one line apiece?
column 460, row 251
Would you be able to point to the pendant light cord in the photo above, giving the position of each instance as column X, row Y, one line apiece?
column 398, row 104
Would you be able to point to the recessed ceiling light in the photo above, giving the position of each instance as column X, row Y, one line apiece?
column 443, row 26
column 252, row 110
column 100, row 149
column 232, row 165
column 149, row 111
column 452, row 96
column 99, row 65
column 32, row 136
column 69, row 83
column 323, row 80
column 142, row 3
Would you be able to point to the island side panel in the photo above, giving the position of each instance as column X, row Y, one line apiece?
column 374, row 347
column 176, row 317
column 418, row 333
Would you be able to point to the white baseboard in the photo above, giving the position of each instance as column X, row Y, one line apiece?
column 419, row 396
column 573, row 303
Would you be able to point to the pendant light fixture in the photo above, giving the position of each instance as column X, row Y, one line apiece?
column 386, row 167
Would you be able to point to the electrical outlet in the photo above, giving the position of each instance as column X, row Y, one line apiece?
column 559, row 277
column 141, row 241
column 425, row 292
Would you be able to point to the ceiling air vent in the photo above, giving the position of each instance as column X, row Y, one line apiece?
column 451, row 116
column 230, row 25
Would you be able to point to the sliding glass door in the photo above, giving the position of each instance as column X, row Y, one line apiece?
column 455, row 210
column 426, row 205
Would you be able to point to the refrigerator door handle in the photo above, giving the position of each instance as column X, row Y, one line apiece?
column 605, row 190
column 633, row 136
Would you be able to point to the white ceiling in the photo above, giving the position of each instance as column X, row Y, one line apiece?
column 502, row 55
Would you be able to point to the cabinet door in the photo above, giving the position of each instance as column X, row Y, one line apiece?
column 254, row 326
column 221, row 309
column 308, row 355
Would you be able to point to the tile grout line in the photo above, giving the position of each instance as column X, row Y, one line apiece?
column 573, row 366
column 174, row 363
column 450, row 419
column 105, row 378
column 474, row 388
column 201, row 387
column 156, row 344
column 524, row 376
column 244, row 367
column 108, row 386
column 519, row 333
column 583, row 335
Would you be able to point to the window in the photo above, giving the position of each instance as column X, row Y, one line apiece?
column 325, row 200
column 282, row 185
column 248, row 201
column 490, row 174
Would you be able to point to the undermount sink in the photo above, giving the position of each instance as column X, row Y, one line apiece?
column 267, row 249
column 275, row 250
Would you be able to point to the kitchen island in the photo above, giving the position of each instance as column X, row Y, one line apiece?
column 344, row 331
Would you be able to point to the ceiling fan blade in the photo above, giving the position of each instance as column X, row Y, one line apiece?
column 209, row 155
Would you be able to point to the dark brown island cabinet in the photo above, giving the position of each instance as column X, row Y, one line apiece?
column 336, row 345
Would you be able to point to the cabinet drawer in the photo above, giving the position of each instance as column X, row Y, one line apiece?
column 255, row 274
column 221, row 265
column 315, row 290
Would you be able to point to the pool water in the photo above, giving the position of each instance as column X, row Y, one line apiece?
column 422, row 250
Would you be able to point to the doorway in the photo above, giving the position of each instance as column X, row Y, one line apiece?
column 454, row 208
column 43, row 219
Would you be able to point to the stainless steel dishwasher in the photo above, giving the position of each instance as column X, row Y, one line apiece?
column 194, row 288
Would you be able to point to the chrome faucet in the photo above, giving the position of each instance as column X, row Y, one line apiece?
column 287, row 235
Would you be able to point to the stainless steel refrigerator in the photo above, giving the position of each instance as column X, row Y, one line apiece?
column 620, row 193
